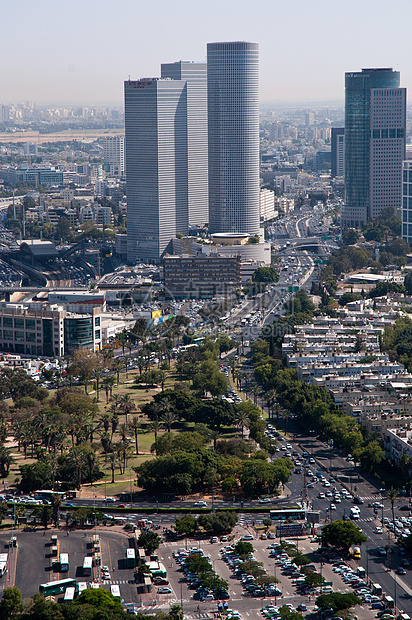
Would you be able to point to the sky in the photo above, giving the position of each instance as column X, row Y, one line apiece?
column 82, row 51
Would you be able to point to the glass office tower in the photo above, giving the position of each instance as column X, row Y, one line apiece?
column 156, row 166
column 375, row 125
column 195, row 76
column 233, row 136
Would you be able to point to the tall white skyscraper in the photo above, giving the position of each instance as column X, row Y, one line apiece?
column 233, row 132
column 195, row 76
column 113, row 154
column 156, row 166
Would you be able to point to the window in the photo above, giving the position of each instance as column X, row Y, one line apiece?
column 97, row 321
column 7, row 321
column 97, row 333
column 31, row 337
column 8, row 334
column 19, row 336
column 30, row 324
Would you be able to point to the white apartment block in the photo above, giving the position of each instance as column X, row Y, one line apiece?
column 113, row 154
column 267, row 205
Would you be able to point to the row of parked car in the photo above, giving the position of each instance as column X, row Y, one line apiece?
column 194, row 580
column 250, row 584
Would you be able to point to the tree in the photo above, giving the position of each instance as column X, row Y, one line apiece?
column 243, row 549
column 134, row 426
column 11, row 604
column 186, row 525
column 391, row 495
column 350, row 236
column 314, row 580
column 149, row 541
column 337, row 601
column 99, row 598
column 84, row 364
column 265, row 274
column 342, row 535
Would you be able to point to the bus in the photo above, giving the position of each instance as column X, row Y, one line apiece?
column 56, row 587
column 296, row 514
column 3, row 563
column 376, row 589
column 82, row 585
column 115, row 591
column 69, row 594
column 64, row 562
column 130, row 558
column 87, row 565
column 47, row 494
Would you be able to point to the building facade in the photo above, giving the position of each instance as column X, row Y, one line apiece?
column 407, row 201
column 113, row 154
column 375, row 126
column 195, row 76
column 156, row 166
column 233, row 135
column 337, row 168
column 201, row 277
column 42, row 329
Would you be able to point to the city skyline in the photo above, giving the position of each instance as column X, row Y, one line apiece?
column 304, row 51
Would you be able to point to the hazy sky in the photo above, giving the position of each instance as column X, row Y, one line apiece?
column 83, row 50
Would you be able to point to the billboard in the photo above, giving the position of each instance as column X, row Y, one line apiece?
column 156, row 314
column 285, row 531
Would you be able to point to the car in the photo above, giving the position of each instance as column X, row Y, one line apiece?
column 247, row 537
column 165, row 590
column 321, row 495
column 265, row 500
column 110, row 500
column 121, row 506
column 263, row 536
column 401, row 570
column 381, row 551
column 214, row 539
column 160, row 581
column 301, row 607
column 201, row 504
column 377, row 530
column 357, row 500
column 67, row 505
column 405, row 562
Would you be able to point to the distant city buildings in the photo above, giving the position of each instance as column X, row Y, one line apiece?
column 375, row 128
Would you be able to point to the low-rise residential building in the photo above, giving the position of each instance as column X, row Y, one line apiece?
column 398, row 447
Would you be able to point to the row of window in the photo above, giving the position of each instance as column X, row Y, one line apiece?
column 387, row 133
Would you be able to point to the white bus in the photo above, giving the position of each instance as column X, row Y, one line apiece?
column 115, row 590
column 3, row 563
column 69, row 595
column 64, row 562
column 87, row 565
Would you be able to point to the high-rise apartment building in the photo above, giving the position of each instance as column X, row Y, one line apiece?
column 375, row 125
column 407, row 201
column 195, row 76
column 113, row 155
column 233, row 136
column 337, row 152
column 156, row 166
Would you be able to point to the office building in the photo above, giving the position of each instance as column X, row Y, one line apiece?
column 195, row 76
column 375, row 125
column 113, row 155
column 43, row 329
column 267, row 205
column 407, row 201
column 201, row 276
column 338, row 152
column 156, row 166
column 233, row 136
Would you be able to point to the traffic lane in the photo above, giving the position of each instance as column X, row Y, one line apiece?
column 113, row 553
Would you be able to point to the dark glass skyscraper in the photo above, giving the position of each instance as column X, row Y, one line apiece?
column 233, row 136
column 375, row 125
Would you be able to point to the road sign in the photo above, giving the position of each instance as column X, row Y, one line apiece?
column 289, row 530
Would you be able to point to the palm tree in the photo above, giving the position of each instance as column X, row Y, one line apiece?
column 108, row 383
column 391, row 495
column 117, row 365
column 112, row 463
column 105, row 421
column 168, row 419
column 242, row 419
column 127, row 405
column 214, row 436
column 155, row 427
column 134, row 426
column 123, row 428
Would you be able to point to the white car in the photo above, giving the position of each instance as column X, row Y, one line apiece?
column 377, row 530
column 201, row 503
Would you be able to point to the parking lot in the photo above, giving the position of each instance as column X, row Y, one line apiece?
column 31, row 563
